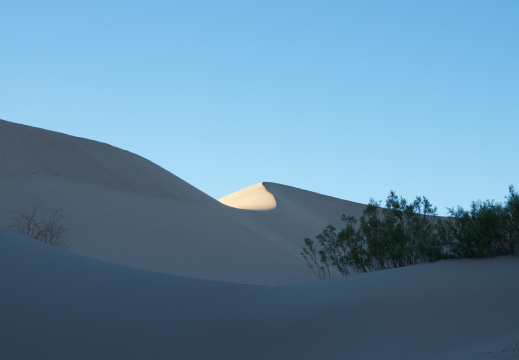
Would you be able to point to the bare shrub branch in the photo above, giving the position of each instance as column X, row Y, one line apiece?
column 42, row 223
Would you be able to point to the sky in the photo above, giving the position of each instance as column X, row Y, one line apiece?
column 350, row 99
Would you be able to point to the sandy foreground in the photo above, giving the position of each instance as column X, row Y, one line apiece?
column 159, row 270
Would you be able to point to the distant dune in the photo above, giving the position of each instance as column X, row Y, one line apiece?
column 255, row 197
column 127, row 210
column 153, row 260
column 30, row 150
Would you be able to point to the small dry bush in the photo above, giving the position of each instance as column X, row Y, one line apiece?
column 42, row 223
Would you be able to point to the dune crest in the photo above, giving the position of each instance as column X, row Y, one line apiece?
column 255, row 197
column 127, row 210
column 34, row 151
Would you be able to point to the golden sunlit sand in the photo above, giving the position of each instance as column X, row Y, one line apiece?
column 255, row 197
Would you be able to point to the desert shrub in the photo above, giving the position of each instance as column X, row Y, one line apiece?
column 400, row 234
column 315, row 260
column 512, row 207
column 42, row 223
column 404, row 233
column 356, row 255
column 487, row 228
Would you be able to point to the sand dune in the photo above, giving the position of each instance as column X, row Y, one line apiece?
column 149, row 227
column 59, row 305
column 30, row 150
column 255, row 197
column 127, row 210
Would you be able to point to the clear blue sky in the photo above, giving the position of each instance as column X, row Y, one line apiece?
column 345, row 98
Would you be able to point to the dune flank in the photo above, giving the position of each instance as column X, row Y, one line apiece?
column 125, row 209
column 59, row 305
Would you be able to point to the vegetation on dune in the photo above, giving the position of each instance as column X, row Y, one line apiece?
column 404, row 233
column 42, row 223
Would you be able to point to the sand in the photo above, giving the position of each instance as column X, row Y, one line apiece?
column 127, row 210
column 158, row 269
column 59, row 305
column 255, row 197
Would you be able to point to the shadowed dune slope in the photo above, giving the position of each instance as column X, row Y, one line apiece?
column 29, row 150
column 124, row 209
column 59, row 305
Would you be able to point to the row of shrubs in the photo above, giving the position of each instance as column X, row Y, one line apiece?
column 404, row 233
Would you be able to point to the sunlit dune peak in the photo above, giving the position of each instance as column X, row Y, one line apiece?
column 255, row 197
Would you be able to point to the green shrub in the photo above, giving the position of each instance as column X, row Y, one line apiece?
column 487, row 229
column 400, row 234
column 403, row 233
